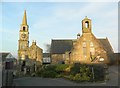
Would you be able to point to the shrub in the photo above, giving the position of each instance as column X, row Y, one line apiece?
column 77, row 77
column 49, row 67
column 98, row 73
column 86, row 74
column 60, row 68
column 78, row 72
column 75, row 69
column 49, row 74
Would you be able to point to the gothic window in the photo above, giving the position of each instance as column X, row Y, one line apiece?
column 86, row 24
column 84, row 44
column 23, row 28
column 84, row 48
column 22, row 46
column 91, row 44
column 92, row 51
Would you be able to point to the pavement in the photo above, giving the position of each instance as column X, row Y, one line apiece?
column 0, row 74
column 37, row 81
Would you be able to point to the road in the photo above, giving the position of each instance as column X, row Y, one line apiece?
column 37, row 81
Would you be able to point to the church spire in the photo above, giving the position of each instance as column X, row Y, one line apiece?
column 24, row 22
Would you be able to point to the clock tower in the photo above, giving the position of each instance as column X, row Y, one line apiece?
column 23, row 42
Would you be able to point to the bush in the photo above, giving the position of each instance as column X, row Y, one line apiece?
column 77, row 77
column 61, row 68
column 85, row 72
column 98, row 73
column 78, row 72
column 75, row 69
column 49, row 67
column 49, row 74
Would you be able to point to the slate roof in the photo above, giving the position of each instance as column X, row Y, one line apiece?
column 46, row 54
column 106, row 45
column 4, row 55
column 61, row 46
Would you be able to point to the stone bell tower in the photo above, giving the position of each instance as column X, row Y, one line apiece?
column 86, row 25
column 23, row 42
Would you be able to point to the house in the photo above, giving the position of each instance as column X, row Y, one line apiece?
column 46, row 58
column 8, row 67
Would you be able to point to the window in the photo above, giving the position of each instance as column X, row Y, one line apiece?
column 23, row 28
column 86, row 24
column 92, row 51
column 84, row 51
column 22, row 46
column 84, row 48
column 84, row 44
column 91, row 44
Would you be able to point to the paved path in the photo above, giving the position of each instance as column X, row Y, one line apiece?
column 36, row 81
column 0, row 74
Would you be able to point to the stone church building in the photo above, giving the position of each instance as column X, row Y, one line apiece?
column 33, row 52
column 85, row 49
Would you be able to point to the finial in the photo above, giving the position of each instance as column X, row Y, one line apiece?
column 85, row 16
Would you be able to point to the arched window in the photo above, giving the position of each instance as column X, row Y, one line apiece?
column 92, row 49
column 91, row 44
column 84, row 48
column 86, row 24
column 23, row 28
column 84, row 44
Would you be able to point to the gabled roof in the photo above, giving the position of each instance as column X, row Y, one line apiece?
column 106, row 45
column 61, row 46
column 6, row 56
column 33, row 47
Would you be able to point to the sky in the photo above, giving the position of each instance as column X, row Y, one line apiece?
column 56, row 20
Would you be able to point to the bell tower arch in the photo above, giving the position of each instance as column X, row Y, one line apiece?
column 86, row 25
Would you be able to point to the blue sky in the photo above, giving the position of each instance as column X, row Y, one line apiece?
column 57, row 20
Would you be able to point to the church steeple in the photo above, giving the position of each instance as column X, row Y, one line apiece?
column 23, row 38
column 24, row 22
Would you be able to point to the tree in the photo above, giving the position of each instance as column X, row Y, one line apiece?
column 48, row 48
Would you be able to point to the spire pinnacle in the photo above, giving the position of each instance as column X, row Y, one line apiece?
column 24, row 18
